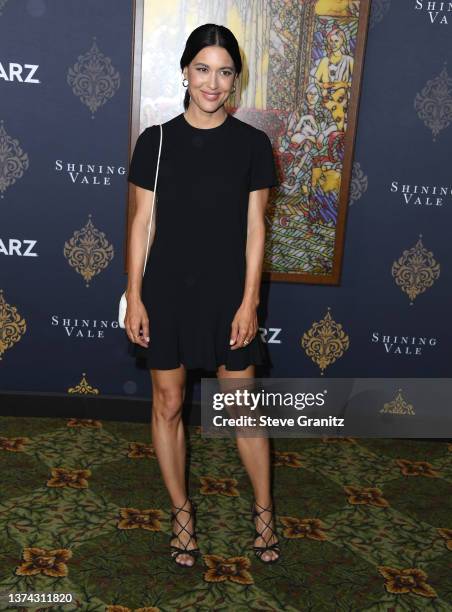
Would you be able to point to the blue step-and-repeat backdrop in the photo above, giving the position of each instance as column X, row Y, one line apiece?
column 65, row 79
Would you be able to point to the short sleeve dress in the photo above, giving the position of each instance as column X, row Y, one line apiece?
column 195, row 273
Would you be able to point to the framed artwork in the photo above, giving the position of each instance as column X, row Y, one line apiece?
column 302, row 69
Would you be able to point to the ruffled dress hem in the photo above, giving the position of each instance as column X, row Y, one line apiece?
column 235, row 360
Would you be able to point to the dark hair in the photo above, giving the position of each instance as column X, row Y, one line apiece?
column 205, row 36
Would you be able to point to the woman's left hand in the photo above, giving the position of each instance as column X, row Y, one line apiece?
column 243, row 327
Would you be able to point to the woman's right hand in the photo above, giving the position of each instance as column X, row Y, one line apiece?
column 136, row 321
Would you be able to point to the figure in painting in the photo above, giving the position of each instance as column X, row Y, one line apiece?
column 306, row 136
column 333, row 76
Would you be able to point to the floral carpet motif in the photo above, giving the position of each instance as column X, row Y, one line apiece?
column 364, row 524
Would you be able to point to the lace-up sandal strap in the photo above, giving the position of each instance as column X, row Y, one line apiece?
column 259, row 550
column 177, row 550
column 263, row 509
column 193, row 552
column 267, row 525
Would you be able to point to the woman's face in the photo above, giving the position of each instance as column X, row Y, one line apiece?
column 211, row 76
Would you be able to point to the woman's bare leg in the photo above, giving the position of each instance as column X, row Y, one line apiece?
column 255, row 455
column 168, row 438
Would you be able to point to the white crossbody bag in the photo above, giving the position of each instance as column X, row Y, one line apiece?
column 123, row 300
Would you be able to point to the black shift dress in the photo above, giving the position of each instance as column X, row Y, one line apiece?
column 195, row 274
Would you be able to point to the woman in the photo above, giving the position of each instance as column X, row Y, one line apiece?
column 196, row 304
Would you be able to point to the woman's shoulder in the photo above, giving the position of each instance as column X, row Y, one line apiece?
column 153, row 131
column 247, row 130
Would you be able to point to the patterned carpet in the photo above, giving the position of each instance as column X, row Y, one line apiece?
column 364, row 524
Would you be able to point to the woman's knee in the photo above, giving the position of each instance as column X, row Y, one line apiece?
column 167, row 403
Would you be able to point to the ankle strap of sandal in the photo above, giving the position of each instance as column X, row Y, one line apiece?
column 181, row 508
column 268, row 509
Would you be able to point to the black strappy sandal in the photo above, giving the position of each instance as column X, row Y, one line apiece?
column 176, row 550
column 259, row 550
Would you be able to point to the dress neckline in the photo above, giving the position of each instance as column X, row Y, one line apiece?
column 192, row 127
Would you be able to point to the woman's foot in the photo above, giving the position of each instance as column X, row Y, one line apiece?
column 266, row 544
column 184, row 549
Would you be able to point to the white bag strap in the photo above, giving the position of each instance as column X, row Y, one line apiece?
column 154, row 198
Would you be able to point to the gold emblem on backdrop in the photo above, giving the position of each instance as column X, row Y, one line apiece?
column 93, row 78
column 83, row 388
column 398, row 405
column 88, row 251
column 416, row 270
column 325, row 342
column 434, row 103
column 12, row 325
column 13, row 160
